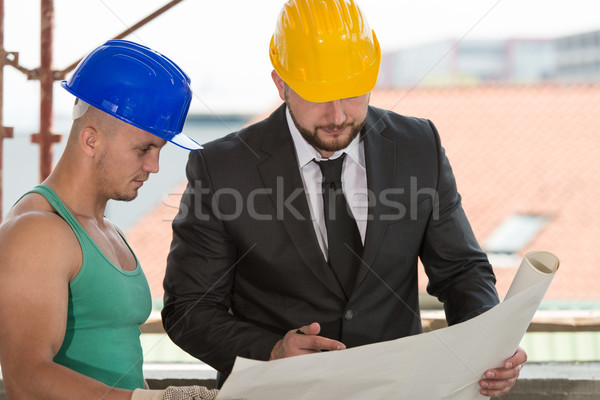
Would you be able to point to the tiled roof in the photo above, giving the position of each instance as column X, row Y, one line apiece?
column 150, row 238
column 525, row 149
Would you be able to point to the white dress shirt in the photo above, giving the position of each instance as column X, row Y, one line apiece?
column 354, row 181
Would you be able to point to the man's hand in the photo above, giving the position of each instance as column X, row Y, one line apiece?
column 295, row 343
column 498, row 382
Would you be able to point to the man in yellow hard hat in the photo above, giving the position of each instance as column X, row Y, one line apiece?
column 302, row 232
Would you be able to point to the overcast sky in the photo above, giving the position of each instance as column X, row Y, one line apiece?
column 223, row 44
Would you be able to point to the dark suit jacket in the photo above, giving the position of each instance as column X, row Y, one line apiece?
column 245, row 265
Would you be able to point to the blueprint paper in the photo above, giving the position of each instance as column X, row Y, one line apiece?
column 444, row 364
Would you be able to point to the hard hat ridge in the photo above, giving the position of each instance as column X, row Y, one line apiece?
column 324, row 49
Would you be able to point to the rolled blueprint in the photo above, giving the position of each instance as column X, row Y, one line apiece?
column 445, row 364
column 537, row 266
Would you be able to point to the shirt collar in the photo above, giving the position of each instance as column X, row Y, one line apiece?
column 306, row 153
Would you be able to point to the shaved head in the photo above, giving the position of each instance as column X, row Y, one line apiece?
column 97, row 119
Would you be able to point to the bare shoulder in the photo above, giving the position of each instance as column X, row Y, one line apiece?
column 34, row 235
column 39, row 256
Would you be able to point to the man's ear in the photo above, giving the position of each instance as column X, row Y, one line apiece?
column 279, row 83
column 89, row 140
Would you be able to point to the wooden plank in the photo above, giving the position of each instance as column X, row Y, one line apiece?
column 543, row 321
column 153, row 324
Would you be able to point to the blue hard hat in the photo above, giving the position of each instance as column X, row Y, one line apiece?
column 137, row 85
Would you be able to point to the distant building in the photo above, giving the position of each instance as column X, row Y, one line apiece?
column 567, row 59
column 578, row 58
column 470, row 62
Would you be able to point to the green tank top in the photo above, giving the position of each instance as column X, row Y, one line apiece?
column 107, row 305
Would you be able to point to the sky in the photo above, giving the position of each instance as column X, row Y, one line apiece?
column 223, row 45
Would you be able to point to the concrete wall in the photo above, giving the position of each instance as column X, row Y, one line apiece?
column 557, row 381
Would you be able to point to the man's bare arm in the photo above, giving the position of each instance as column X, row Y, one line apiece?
column 39, row 255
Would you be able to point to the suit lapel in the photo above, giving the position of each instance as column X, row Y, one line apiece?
column 380, row 159
column 281, row 176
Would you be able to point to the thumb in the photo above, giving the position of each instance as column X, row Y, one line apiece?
column 313, row 329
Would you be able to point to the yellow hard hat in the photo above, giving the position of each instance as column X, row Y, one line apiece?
column 324, row 49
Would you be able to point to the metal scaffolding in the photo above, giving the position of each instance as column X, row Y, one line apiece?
column 46, row 75
column 5, row 132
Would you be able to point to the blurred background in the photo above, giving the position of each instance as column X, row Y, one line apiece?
column 512, row 86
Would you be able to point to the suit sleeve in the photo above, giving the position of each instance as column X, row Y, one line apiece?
column 458, row 270
column 199, row 280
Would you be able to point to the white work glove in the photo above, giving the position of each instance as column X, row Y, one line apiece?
column 190, row 393
column 176, row 393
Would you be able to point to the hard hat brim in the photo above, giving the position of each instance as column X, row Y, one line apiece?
column 185, row 142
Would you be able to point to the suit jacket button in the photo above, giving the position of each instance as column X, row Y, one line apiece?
column 348, row 315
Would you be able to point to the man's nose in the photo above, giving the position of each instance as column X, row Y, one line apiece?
column 336, row 112
column 151, row 162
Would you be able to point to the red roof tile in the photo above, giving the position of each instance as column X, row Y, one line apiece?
column 526, row 149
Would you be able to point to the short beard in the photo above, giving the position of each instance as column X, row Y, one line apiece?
column 315, row 141
column 102, row 182
column 124, row 197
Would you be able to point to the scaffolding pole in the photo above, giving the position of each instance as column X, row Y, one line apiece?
column 46, row 138
column 46, row 75
column 5, row 132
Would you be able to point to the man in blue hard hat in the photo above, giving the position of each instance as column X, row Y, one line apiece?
column 72, row 293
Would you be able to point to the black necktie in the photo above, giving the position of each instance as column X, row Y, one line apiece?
column 343, row 239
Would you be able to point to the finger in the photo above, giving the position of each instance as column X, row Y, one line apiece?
column 497, row 383
column 318, row 343
column 493, row 393
column 512, row 367
column 496, row 388
column 503, row 373
column 305, row 344
column 312, row 329
column 519, row 358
